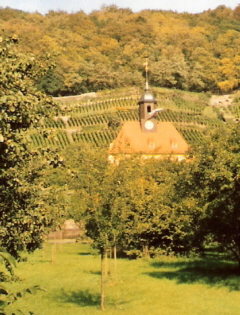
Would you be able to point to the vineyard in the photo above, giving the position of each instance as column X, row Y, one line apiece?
column 97, row 120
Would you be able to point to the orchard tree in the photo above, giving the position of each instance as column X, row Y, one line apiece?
column 89, row 177
column 208, row 189
column 27, row 207
column 102, row 224
column 149, row 219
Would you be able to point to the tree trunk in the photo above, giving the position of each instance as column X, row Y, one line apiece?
column 115, row 256
column 235, row 253
column 106, row 264
column 103, row 275
column 146, row 251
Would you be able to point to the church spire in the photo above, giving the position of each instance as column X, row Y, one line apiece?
column 146, row 74
column 147, row 106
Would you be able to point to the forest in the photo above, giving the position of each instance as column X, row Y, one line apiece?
column 105, row 49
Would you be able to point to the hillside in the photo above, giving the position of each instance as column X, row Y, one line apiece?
column 96, row 117
column 105, row 49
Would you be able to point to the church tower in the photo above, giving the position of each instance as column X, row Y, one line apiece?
column 147, row 110
column 148, row 137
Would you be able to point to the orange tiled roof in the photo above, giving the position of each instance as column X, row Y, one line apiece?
column 131, row 139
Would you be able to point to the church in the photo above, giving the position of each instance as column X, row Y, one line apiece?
column 148, row 137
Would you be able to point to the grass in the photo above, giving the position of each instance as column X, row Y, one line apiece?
column 163, row 286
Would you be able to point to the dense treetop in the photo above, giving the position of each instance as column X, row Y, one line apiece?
column 105, row 49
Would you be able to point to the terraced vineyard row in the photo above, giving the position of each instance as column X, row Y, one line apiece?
column 189, row 106
column 50, row 123
column 59, row 139
column 192, row 136
column 187, row 118
column 104, row 105
column 98, row 138
column 88, row 120
column 178, row 101
column 63, row 139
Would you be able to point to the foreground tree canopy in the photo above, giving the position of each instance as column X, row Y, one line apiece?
column 105, row 49
column 25, row 201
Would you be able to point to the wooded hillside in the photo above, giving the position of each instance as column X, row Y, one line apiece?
column 105, row 49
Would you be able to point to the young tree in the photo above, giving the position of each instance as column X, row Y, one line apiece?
column 89, row 178
column 101, row 221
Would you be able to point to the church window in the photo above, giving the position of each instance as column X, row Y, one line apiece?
column 151, row 145
column 174, row 144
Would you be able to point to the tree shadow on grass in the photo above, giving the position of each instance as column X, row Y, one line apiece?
column 81, row 298
column 169, row 264
column 210, row 272
column 84, row 254
column 85, row 298
column 94, row 272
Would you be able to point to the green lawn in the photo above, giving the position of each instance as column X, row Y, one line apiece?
column 166, row 286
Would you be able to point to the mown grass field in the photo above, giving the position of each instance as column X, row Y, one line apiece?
column 166, row 286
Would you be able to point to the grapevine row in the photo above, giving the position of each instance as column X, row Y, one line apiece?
column 59, row 139
column 50, row 123
column 88, row 120
column 84, row 108
column 98, row 138
column 182, row 117
column 192, row 136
